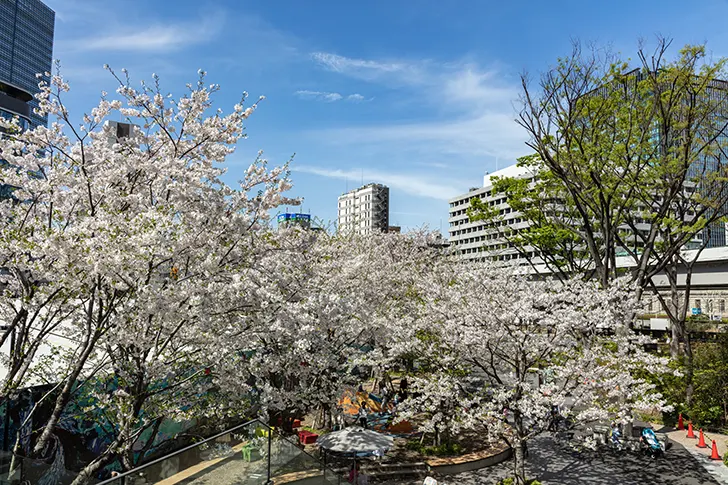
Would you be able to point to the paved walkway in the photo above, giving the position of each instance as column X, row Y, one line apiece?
column 714, row 467
column 554, row 466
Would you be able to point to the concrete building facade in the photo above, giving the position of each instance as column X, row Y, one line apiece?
column 364, row 210
column 476, row 241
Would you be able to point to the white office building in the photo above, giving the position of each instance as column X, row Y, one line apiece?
column 478, row 240
column 364, row 210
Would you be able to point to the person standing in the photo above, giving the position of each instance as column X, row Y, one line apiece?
column 385, row 398
column 339, row 419
column 403, row 384
column 363, row 415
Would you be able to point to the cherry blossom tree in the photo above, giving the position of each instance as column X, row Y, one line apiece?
column 132, row 247
column 514, row 347
column 327, row 300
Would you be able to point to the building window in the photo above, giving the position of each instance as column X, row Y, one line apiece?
column 722, row 306
column 697, row 304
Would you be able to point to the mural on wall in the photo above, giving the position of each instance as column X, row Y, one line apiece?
column 83, row 432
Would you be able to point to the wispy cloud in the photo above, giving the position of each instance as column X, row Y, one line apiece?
column 150, row 38
column 487, row 135
column 409, row 183
column 319, row 95
column 361, row 67
column 471, row 115
column 401, row 73
column 329, row 97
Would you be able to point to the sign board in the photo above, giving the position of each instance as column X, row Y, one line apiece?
column 697, row 311
column 294, row 217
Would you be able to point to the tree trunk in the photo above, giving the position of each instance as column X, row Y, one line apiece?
column 677, row 323
column 90, row 470
column 519, row 463
column 64, row 396
column 675, row 339
column 689, row 371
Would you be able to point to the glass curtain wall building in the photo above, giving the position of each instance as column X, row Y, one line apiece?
column 26, row 49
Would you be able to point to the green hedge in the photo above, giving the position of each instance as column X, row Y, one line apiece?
column 448, row 449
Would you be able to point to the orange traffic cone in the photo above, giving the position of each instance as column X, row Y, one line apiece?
column 680, row 424
column 690, row 431
column 701, row 440
column 714, row 455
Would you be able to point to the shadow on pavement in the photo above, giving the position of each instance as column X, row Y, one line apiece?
column 552, row 465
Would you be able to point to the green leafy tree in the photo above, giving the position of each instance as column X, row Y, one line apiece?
column 631, row 168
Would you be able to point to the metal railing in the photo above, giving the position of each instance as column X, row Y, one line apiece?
column 120, row 479
column 235, row 464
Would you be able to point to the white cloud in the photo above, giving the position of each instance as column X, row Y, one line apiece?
column 343, row 64
column 413, row 184
column 329, row 97
column 488, row 135
column 476, row 89
column 151, row 38
column 319, row 95
column 369, row 70
column 472, row 114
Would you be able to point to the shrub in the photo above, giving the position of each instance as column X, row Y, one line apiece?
column 446, row 449
column 413, row 445
column 511, row 481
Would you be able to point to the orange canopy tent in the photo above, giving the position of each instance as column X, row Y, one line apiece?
column 351, row 401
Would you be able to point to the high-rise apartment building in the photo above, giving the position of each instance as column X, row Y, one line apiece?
column 26, row 49
column 364, row 210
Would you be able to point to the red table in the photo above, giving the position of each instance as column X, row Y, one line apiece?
column 296, row 423
column 307, row 437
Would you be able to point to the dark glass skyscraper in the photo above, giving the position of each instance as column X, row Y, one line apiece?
column 26, row 48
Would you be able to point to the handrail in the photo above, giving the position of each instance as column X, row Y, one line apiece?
column 291, row 442
column 136, row 470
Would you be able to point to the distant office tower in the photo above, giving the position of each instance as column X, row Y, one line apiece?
column 364, row 210
column 26, row 48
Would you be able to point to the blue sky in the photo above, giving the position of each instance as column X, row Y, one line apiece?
column 419, row 95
